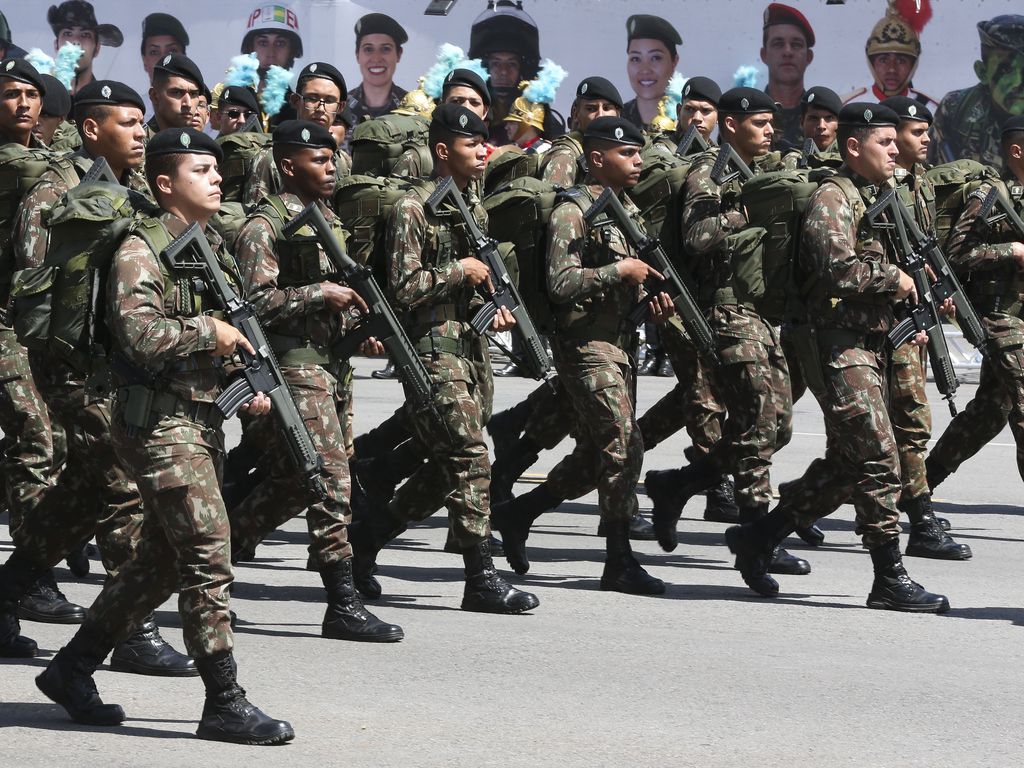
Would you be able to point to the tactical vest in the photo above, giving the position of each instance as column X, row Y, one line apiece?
column 574, row 141
column 999, row 290
column 20, row 169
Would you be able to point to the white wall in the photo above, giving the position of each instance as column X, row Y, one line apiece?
column 587, row 37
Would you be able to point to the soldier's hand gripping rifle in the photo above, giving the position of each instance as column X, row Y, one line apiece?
column 504, row 293
column 888, row 213
column 191, row 253
column 692, row 137
column 728, row 165
column 650, row 251
column 380, row 323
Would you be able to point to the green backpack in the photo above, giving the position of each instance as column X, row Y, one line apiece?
column 240, row 150
column 20, row 169
column 954, row 182
column 59, row 305
column 377, row 144
column 511, row 164
column 518, row 213
column 658, row 193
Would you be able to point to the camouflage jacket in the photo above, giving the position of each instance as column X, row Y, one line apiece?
column 265, row 180
column 157, row 321
column 561, row 164
column 853, row 276
column 788, row 128
column 631, row 112
column 967, row 126
column 591, row 300
column 364, row 112
column 283, row 278
column 918, row 192
column 425, row 275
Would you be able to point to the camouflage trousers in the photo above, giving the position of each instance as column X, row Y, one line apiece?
column 29, row 460
column 998, row 400
column 609, row 450
column 185, row 543
column 282, row 493
column 911, row 416
column 753, row 381
column 550, row 417
column 94, row 493
column 458, row 476
column 692, row 403
column 343, row 405
column 797, row 385
column 861, row 462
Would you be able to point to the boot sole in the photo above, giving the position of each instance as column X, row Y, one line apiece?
column 392, row 637
column 766, row 585
column 117, row 714
column 605, row 587
column 13, row 653
column 888, row 605
column 500, row 611
column 269, row 741
column 143, row 669
column 934, row 555
column 44, row 618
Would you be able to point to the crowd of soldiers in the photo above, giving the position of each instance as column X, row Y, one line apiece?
column 132, row 452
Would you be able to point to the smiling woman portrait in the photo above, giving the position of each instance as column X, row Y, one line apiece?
column 379, row 41
column 651, row 59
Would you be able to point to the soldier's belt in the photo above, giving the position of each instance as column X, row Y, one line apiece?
column 438, row 313
column 842, row 337
column 727, row 297
column 298, row 350
column 464, row 347
column 171, row 405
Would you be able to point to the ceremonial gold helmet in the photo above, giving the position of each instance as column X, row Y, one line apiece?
column 526, row 112
column 663, row 121
column 899, row 32
column 415, row 103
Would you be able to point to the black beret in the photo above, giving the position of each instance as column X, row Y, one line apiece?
column 909, row 109
column 470, row 79
column 327, row 72
column 866, row 114
column 777, row 13
column 23, row 72
column 109, row 92
column 821, row 97
column 1013, row 124
column 163, row 24
column 745, row 101
column 303, row 133
column 702, row 89
column 617, row 130
column 599, row 88
column 239, row 95
column 57, row 101
column 380, row 24
column 180, row 141
column 643, row 25
column 455, row 118
column 180, row 65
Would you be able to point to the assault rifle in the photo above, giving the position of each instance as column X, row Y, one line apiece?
column 995, row 200
column 888, row 213
column 810, row 150
column 504, row 293
column 649, row 249
column 691, row 137
column 190, row 252
column 380, row 323
column 100, row 171
column 252, row 125
column 728, row 165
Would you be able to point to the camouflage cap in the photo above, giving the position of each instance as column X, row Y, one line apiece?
column 1005, row 31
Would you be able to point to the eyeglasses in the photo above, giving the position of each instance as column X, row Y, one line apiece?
column 237, row 114
column 330, row 103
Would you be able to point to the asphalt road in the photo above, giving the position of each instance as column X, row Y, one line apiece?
column 707, row 675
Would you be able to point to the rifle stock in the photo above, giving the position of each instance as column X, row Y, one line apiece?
column 728, row 165
column 649, row 249
column 504, row 293
column 191, row 252
column 691, row 137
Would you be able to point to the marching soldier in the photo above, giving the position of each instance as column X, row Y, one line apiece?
column 851, row 301
column 819, row 122
column 302, row 309
column 176, row 92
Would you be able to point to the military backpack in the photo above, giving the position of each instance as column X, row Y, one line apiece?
column 20, row 169
column 954, row 182
column 377, row 144
column 240, row 151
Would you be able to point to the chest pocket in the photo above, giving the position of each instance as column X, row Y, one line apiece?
column 301, row 261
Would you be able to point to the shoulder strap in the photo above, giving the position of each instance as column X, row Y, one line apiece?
column 852, row 194
column 154, row 233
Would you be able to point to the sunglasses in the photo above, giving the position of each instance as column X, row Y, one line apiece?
column 235, row 114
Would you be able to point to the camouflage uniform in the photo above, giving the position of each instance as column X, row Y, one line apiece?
column 753, row 377
column 968, row 125
column 93, row 469
column 156, row 320
column 427, row 280
column 851, row 305
column 561, row 164
column 282, row 279
column 364, row 112
column 590, row 347
column 265, row 180
column 983, row 257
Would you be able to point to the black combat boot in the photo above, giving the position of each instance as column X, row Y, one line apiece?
column 514, row 520
column 511, row 368
column 227, row 714
column 78, row 559
column 367, row 540
column 670, row 489
column 147, row 653
column 782, row 562
column 67, row 680
column 622, row 572
column 721, row 502
column 754, row 546
column 44, row 602
column 486, row 591
column 927, row 539
column 16, row 576
column 665, row 369
column 510, row 467
column 387, row 372
column 894, row 590
column 651, row 363
column 639, row 529
column 346, row 617
column 811, row 535
column 506, row 427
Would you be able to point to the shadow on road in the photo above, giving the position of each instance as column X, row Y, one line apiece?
column 51, row 717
